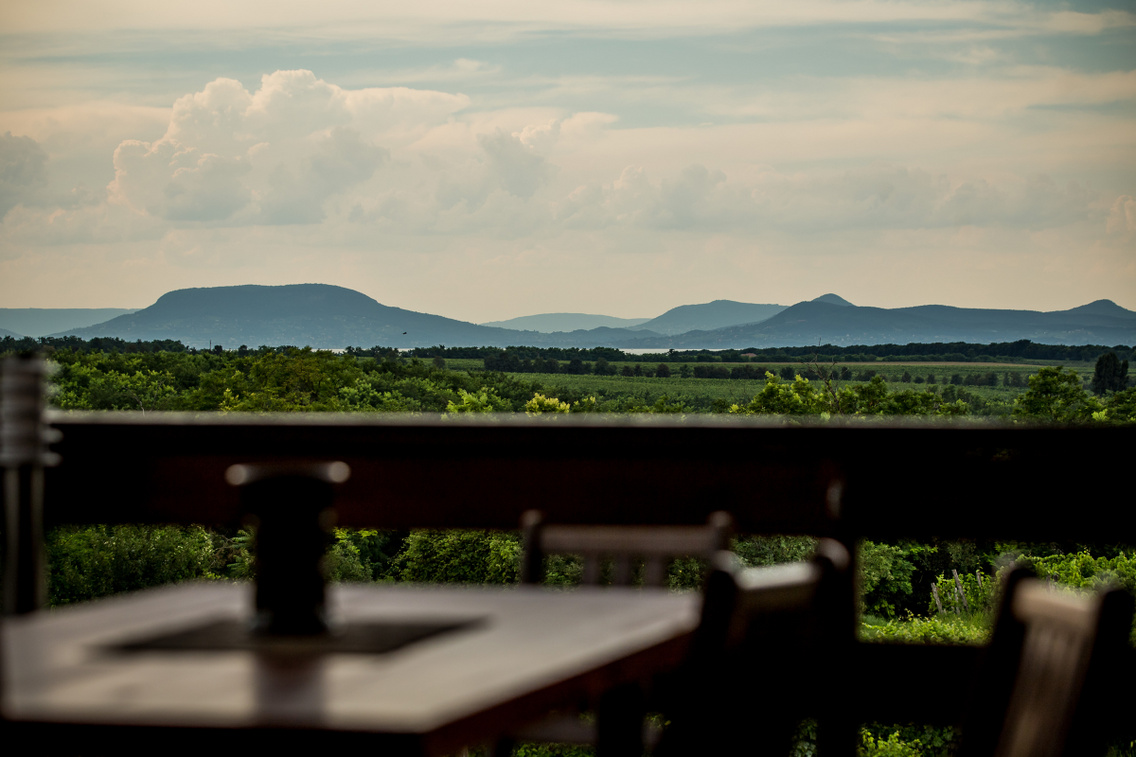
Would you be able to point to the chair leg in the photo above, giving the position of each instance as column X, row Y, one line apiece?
column 503, row 747
column 619, row 722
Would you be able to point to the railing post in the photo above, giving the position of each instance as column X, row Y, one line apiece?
column 23, row 456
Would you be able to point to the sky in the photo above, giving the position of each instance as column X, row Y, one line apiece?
column 493, row 159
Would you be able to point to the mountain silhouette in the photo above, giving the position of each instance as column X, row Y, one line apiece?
column 833, row 299
column 549, row 323
column 316, row 315
column 823, row 322
column 711, row 315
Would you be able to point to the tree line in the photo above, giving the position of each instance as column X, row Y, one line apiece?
column 933, row 352
column 134, row 377
column 921, row 352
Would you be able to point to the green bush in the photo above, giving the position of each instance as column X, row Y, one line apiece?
column 892, row 746
column 460, row 556
column 773, row 550
column 882, row 740
column 942, row 629
column 885, row 576
column 343, row 561
column 553, row 750
column 86, row 562
column 1081, row 570
column 980, row 591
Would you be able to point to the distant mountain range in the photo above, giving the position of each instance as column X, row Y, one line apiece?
column 547, row 323
column 316, row 315
column 713, row 315
column 826, row 321
column 324, row 316
column 680, row 320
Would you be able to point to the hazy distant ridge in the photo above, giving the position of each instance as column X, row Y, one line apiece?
column 324, row 316
column 712, row 315
column 317, row 315
column 817, row 322
column 548, row 323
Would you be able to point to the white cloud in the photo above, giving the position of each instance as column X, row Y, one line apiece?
column 276, row 155
column 23, row 170
column 1122, row 216
column 513, row 162
column 301, row 150
column 413, row 180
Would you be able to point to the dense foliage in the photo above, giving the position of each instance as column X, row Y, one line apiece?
column 166, row 376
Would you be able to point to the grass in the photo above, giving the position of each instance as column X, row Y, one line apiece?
column 938, row 629
column 704, row 395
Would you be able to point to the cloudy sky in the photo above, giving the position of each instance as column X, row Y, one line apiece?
column 485, row 160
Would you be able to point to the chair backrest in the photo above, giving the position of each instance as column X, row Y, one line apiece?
column 743, row 604
column 784, row 633
column 1044, row 687
column 622, row 545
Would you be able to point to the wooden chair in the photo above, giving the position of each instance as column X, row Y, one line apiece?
column 622, row 545
column 780, row 635
column 1049, row 676
column 619, row 722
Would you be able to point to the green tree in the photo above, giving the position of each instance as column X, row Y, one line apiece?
column 87, row 562
column 466, row 556
column 797, row 398
column 1110, row 375
column 1120, row 407
column 1056, row 395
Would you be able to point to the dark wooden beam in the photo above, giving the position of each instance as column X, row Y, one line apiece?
column 912, row 480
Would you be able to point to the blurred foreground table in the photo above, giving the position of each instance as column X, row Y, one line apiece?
column 409, row 669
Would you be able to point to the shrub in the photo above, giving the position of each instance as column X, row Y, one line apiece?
column 980, row 591
column 540, row 404
column 774, row 550
column 886, row 571
column 942, row 629
column 86, row 562
column 892, row 746
column 1081, row 570
column 460, row 556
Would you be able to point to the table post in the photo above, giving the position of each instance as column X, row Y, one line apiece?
column 292, row 507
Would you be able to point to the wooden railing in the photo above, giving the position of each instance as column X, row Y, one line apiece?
column 848, row 480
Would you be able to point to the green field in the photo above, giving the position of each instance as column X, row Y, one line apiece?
column 707, row 394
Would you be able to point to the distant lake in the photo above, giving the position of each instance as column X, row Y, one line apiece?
column 663, row 350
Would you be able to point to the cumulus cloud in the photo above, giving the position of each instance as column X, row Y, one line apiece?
column 272, row 156
column 300, row 150
column 514, row 162
column 1122, row 216
column 23, row 170
column 177, row 182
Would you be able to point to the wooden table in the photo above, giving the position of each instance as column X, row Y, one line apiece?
column 516, row 653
